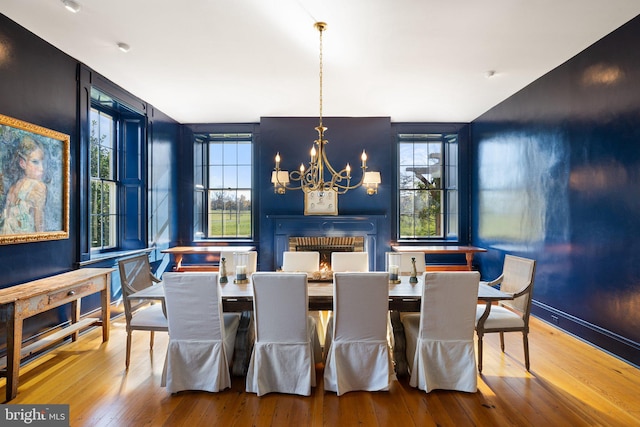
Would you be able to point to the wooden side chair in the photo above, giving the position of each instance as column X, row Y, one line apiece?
column 135, row 275
column 509, row 315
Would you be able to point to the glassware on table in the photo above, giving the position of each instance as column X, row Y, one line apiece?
column 394, row 267
column 241, row 263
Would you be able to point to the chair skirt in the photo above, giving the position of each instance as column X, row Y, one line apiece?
column 196, row 365
column 284, row 367
column 347, row 361
column 439, row 364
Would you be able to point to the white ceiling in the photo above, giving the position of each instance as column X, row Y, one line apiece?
column 217, row 61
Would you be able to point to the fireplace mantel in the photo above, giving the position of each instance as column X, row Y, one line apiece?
column 367, row 226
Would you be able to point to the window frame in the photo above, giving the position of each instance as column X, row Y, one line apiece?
column 454, row 225
column 111, row 181
column 412, row 185
column 204, row 186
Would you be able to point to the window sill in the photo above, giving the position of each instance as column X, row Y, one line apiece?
column 101, row 257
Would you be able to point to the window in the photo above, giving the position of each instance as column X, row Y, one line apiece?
column 223, row 177
column 103, row 202
column 428, row 193
column 117, row 186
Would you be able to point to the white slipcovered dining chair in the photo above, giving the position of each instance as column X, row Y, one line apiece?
column 201, row 338
column 509, row 315
column 405, row 262
column 440, row 349
column 306, row 262
column 301, row 261
column 350, row 261
column 135, row 275
column 286, row 343
column 359, row 357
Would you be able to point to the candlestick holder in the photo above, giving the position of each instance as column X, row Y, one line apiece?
column 223, row 271
column 414, row 273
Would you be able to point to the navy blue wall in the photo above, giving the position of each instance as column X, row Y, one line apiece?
column 39, row 84
column 293, row 137
column 556, row 177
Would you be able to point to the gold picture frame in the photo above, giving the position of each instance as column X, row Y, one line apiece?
column 321, row 202
column 34, row 183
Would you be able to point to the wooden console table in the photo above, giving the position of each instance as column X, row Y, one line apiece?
column 28, row 299
column 468, row 251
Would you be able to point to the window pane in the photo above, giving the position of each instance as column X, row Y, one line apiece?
column 230, row 176
column 244, row 153
column 215, row 154
column 406, row 154
column 230, row 154
column 244, row 176
column 215, row 176
column 198, row 220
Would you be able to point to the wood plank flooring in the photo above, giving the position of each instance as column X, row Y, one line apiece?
column 570, row 384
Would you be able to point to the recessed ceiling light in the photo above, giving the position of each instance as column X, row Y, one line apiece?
column 71, row 6
column 124, row 47
column 490, row 73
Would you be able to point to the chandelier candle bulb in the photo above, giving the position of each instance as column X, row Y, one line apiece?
column 278, row 160
column 364, row 159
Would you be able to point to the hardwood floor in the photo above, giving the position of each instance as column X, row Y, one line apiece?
column 570, row 384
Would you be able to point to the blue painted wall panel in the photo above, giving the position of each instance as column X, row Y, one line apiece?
column 556, row 177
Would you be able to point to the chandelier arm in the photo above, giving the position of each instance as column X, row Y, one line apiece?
column 349, row 186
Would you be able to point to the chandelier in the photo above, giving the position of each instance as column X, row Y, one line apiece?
column 319, row 175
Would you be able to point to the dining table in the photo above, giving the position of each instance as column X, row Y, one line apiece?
column 403, row 297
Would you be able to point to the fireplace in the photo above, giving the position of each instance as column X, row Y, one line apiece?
column 344, row 232
column 326, row 245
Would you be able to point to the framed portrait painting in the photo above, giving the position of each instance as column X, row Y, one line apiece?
column 34, row 183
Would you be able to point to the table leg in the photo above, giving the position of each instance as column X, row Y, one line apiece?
column 469, row 257
column 14, row 345
column 399, row 345
column 244, row 344
column 75, row 316
column 178, row 258
column 106, row 309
